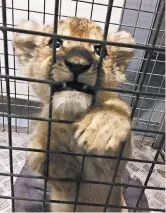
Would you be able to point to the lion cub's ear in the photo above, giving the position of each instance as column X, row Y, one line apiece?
column 121, row 55
column 26, row 43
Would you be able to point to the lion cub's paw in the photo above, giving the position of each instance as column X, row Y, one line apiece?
column 102, row 131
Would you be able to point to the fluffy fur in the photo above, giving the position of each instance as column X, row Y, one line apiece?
column 99, row 129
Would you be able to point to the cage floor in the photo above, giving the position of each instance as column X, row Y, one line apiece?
column 138, row 171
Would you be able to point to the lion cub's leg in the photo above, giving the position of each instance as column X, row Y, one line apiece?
column 60, row 166
column 38, row 140
column 103, row 131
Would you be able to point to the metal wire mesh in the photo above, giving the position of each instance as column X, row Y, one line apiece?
column 144, row 89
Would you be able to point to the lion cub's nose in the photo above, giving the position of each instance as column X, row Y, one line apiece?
column 78, row 60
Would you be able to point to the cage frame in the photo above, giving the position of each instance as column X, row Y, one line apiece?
column 137, row 93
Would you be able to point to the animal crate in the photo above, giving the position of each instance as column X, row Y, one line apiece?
column 21, row 190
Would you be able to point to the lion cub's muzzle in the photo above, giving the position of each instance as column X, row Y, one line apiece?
column 78, row 60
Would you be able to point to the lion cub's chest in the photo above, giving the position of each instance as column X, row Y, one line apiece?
column 71, row 163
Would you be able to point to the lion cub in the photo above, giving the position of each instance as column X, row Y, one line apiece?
column 99, row 128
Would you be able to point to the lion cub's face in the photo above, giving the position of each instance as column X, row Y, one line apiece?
column 76, row 62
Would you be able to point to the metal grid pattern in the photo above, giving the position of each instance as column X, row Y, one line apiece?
column 140, row 90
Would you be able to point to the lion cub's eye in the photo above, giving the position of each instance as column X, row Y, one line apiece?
column 58, row 43
column 97, row 49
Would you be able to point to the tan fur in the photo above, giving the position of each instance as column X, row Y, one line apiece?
column 100, row 129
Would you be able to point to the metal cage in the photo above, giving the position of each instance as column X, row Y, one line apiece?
column 144, row 90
